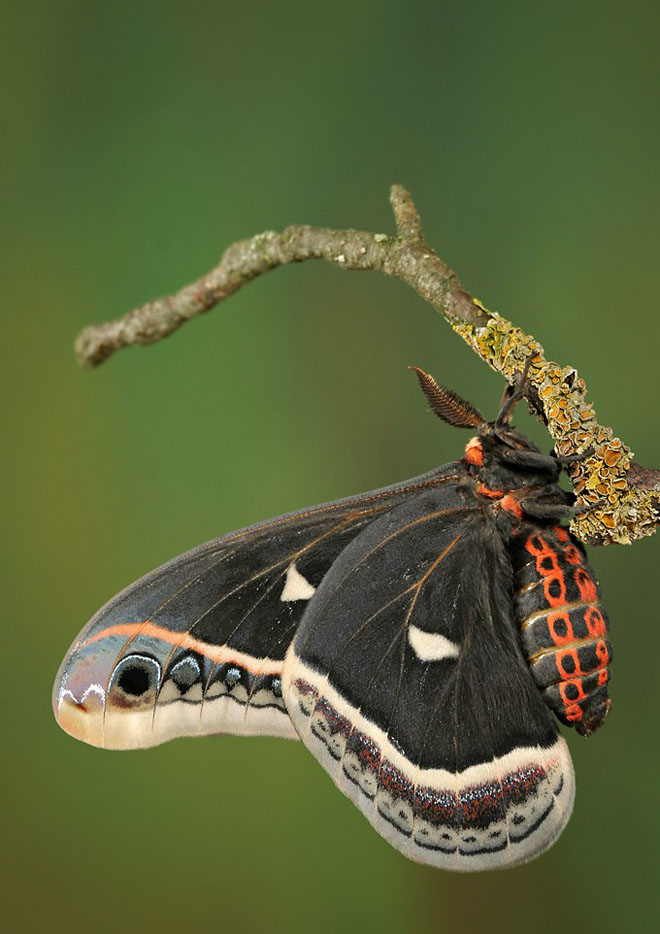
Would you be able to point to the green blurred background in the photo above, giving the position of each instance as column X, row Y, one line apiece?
column 138, row 140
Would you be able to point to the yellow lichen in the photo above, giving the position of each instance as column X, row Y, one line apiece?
column 600, row 479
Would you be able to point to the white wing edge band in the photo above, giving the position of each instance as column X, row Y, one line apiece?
column 526, row 839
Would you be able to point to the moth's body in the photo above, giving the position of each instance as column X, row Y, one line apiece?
column 415, row 638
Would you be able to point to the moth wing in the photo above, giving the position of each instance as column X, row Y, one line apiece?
column 197, row 646
column 406, row 681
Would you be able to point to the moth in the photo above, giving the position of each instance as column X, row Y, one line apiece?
column 421, row 640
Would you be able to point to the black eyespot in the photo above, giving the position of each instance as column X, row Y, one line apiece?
column 134, row 680
column 135, row 675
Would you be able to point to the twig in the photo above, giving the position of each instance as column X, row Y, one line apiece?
column 629, row 495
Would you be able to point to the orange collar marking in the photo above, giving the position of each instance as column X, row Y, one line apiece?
column 474, row 453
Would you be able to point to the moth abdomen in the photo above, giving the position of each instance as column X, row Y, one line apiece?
column 571, row 623
column 563, row 627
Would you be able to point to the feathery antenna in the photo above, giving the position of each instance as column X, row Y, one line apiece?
column 447, row 404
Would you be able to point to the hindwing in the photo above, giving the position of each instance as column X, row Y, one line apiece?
column 407, row 682
column 197, row 646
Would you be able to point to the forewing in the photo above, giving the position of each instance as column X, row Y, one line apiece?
column 406, row 681
column 197, row 646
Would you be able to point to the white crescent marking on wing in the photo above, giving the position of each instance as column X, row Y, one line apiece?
column 431, row 646
column 295, row 586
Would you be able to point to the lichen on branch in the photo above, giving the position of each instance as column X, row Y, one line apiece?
column 624, row 497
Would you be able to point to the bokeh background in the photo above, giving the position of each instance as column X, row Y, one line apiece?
column 138, row 139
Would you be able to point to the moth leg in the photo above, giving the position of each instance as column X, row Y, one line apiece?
column 541, row 509
column 573, row 458
column 537, row 461
column 538, row 509
column 532, row 459
column 582, row 510
column 513, row 394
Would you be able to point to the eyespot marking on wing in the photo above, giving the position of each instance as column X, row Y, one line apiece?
column 295, row 586
column 431, row 646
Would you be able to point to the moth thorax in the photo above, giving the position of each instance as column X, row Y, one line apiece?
column 474, row 452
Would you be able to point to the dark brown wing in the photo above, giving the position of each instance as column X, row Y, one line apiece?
column 406, row 680
column 197, row 646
